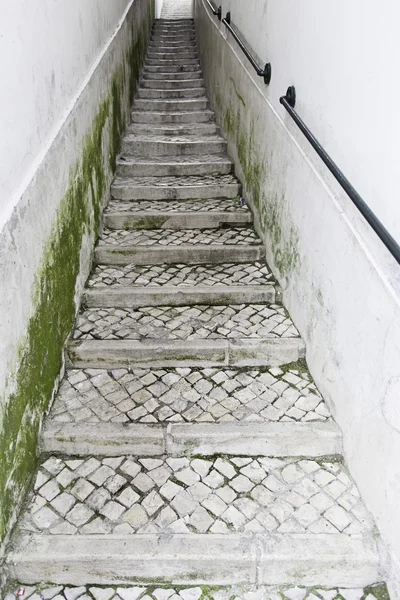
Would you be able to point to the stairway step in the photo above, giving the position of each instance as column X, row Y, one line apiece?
column 169, row 116
column 164, row 166
column 174, row 39
column 180, row 275
column 185, row 105
column 175, row 188
column 195, row 520
column 170, row 84
column 182, row 55
column 199, row 129
column 158, row 94
column 142, row 145
column 186, row 253
column 193, row 76
column 170, row 296
column 202, row 397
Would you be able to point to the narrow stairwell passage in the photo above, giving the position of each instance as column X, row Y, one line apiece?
column 188, row 446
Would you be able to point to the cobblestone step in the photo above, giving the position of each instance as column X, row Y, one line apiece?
column 195, row 92
column 116, row 354
column 170, row 84
column 170, row 61
column 176, row 188
column 162, row 47
column 147, row 145
column 172, row 39
column 200, row 129
column 180, row 275
column 189, row 592
column 235, row 520
column 190, row 116
column 164, row 166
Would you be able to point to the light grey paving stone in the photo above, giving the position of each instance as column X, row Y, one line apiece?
column 163, row 237
column 212, row 206
column 237, row 321
column 170, row 220
column 276, row 492
column 142, row 145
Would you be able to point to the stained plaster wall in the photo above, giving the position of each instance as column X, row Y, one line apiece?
column 68, row 72
column 339, row 283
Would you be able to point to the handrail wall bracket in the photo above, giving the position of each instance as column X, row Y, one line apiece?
column 265, row 73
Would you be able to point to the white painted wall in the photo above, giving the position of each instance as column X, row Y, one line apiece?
column 342, row 288
column 58, row 62
column 159, row 5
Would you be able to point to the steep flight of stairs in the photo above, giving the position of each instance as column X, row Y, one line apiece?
column 188, row 446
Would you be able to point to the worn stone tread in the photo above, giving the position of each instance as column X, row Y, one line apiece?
column 209, row 205
column 229, row 236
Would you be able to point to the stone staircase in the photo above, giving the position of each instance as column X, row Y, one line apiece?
column 188, row 446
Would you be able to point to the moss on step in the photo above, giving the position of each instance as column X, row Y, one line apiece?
column 54, row 304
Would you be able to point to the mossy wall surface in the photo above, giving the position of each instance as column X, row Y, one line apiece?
column 31, row 381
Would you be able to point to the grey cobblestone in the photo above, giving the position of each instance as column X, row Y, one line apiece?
column 187, row 395
column 212, row 205
column 186, row 322
column 181, row 275
column 188, row 181
column 169, row 495
column 169, row 237
column 377, row 592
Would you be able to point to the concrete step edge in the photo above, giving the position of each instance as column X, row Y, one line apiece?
column 113, row 354
column 331, row 560
column 195, row 254
column 179, row 296
column 177, row 221
column 313, row 440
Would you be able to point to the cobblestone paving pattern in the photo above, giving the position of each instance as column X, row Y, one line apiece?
column 256, row 321
column 123, row 495
column 186, row 139
column 188, row 395
column 187, row 181
column 378, row 592
column 181, row 275
column 173, row 206
column 235, row 236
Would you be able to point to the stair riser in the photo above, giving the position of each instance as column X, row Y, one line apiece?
column 174, row 93
column 243, row 439
column 173, row 78
column 171, row 117
column 186, row 353
column 167, row 84
column 196, row 559
column 175, row 193
column 172, row 69
column 154, row 255
column 172, row 105
column 202, row 129
column 126, row 169
column 198, row 220
column 170, row 296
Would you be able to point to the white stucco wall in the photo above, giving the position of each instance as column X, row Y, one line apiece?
column 67, row 70
column 340, row 284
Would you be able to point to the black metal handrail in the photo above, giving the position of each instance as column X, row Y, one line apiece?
column 266, row 72
column 289, row 102
column 216, row 11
